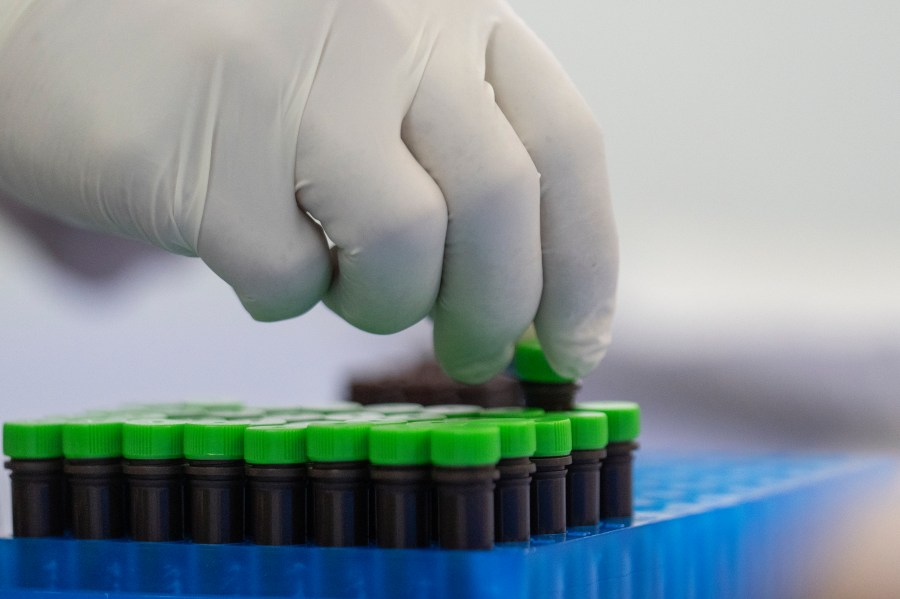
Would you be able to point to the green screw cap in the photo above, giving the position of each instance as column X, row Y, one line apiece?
column 153, row 439
column 530, row 364
column 92, row 439
column 589, row 430
column 395, row 408
column 275, row 444
column 215, row 440
column 400, row 444
column 32, row 440
column 517, row 436
column 514, row 412
column 338, row 441
column 454, row 410
column 553, row 435
column 465, row 444
column 624, row 418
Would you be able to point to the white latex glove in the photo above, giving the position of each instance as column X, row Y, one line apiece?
column 412, row 130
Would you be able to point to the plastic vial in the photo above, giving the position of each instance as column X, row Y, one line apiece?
column 275, row 459
column 465, row 459
column 589, row 439
column 512, row 495
column 541, row 385
column 215, row 477
column 548, row 486
column 624, row 419
column 154, row 468
column 93, row 467
column 339, row 475
column 400, row 455
column 36, row 475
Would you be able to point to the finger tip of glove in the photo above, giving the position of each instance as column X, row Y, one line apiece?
column 473, row 367
column 262, row 311
column 576, row 357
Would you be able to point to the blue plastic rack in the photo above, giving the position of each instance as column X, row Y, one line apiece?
column 704, row 527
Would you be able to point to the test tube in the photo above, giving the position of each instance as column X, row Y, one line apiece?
column 36, row 476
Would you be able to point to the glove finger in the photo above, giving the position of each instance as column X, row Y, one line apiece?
column 578, row 236
column 383, row 213
column 253, row 234
column 492, row 265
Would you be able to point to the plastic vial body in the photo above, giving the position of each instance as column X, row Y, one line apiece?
column 155, row 499
column 403, row 505
column 340, row 497
column 216, row 500
column 512, row 500
column 276, row 503
column 96, row 496
column 616, row 481
column 548, row 495
column 38, row 497
column 583, row 487
column 465, row 504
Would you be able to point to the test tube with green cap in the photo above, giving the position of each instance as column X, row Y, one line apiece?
column 338, row 453
column 275, row 459
column 453, row 410
column 215, row 471
column 552, row 455
column 154, row 459
column 400, row 455
column 35, row 463
column 512, row 495
column 624, row 419
column 513, row 412
column 464, row 458
column 93, row 467
column 589, row 439
column 543, row 387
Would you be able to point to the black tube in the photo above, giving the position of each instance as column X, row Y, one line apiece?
column 156, row 499
column 552, row 397
column 583, row 487
column 465, row 500
column 96, row 498
column 616, row 481
column 276, row 503
column 548, row 495
column 512, row 500
column 216, row 500
column 38, row 497
column 340, row 501
column 402, row 506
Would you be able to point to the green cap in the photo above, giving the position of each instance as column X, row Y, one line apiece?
column 246, row 413
column 92, row 439
column 465, row 444
column 338, row 441
column 513, row 412
column 589, row 430
column 215, row 440
column 517, row 436
column 345, row 407
column 400, row 444
column 454, row 410
column 554, row 436
column 395, row 408
column 360, row 416
column 275, row 444
column 33, row 440
column 623, row 417
column 153, row 439
column 530, row 364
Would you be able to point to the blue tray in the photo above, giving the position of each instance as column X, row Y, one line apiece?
column 704, row 527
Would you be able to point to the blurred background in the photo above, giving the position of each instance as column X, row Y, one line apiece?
column 753, row 153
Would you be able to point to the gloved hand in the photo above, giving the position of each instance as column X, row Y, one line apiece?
column 411, row 131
